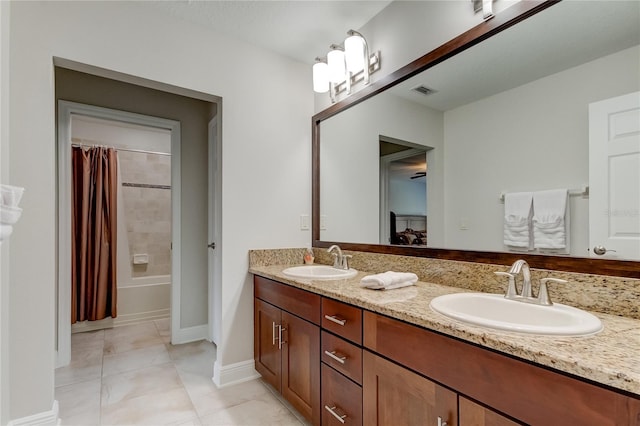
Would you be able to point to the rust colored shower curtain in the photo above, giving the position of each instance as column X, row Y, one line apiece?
column 94, row 234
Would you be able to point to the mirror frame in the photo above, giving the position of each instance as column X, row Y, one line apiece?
column 505, row 19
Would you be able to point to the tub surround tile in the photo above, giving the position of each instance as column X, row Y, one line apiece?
column 604, row 357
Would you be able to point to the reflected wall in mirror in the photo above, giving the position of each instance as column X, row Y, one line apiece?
column 509, row 114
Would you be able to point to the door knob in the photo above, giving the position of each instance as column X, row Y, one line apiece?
column 600, row 250
column 211, row 246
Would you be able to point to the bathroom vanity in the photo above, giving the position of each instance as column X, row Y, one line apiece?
column 342, row 354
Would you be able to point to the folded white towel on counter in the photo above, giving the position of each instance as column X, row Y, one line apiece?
column 549, row 219
column 517, row 221
column 389, row 280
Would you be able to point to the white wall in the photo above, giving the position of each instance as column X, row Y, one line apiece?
column 408, row 196
column 551, row 131
column 266, row 158
column 4, row 178
column 350, row 182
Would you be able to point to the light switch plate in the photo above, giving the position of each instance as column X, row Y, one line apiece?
column 304, row 222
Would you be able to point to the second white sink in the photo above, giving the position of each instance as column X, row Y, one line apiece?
column 319, row 272
column 494, row 311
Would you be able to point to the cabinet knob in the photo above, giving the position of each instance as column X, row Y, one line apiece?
column 335, row 414
column 335, row 319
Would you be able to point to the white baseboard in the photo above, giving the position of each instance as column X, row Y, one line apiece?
column 233, row 374
column 190, row 334
column 47, row 418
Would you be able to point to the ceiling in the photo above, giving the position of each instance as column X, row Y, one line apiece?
column 300, row 29
column 554, row 40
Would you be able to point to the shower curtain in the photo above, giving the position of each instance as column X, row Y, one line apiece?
column 94, row 233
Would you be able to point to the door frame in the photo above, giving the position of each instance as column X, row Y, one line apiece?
column 385, row 176
column 65, row 110
column 214, row 257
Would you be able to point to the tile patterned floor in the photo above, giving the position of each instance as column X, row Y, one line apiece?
column 132, row 375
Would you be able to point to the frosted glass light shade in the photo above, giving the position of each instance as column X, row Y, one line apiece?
column 320, row 77
column 354, row 49
column 337, row 68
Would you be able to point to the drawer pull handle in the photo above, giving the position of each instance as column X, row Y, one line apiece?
column 335, row 356
column 442, row 422
column 273, row 333
column 280, row 342
column 336, row 415
column 335, row 319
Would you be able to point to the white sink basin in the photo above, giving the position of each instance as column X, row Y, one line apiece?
column 319, row 272
column 494, row 311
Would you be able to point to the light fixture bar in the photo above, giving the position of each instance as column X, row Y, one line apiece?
column 345, row 86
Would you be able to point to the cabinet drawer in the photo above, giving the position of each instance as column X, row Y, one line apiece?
column 342, row 355
column 302, row 303
column 342, row 319
column 341, row 398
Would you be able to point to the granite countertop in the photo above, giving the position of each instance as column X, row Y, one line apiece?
column 611, row 357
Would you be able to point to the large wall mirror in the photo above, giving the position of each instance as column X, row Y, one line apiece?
column 502, row 108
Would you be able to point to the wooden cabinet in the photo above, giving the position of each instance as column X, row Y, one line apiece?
column 342, row 319
column 341, row 399
column 341, row 356
column 393, row 395
column 477, row 415
column 287, row 346
column 266, row 319
column 521, row 390
column 363, row 368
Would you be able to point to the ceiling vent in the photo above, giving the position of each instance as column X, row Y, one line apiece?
column 424, row 90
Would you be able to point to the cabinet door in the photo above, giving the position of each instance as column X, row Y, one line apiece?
column 472, row 414
column 393, row 395
column 266, row 319
column 301, row 366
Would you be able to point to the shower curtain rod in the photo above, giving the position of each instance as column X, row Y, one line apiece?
column 141, row 151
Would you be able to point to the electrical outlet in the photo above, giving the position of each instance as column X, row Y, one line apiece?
column 323, row 222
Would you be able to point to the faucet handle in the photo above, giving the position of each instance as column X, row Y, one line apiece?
column 511, row 292
column 543, row 293
column 345, row 260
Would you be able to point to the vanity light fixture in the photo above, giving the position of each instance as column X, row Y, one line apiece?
column 345, row 65
column 486, row 6
column 320, row 76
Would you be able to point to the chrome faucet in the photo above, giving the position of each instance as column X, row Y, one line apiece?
column 340, row 261
column 526, row 294
column 522, row 265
